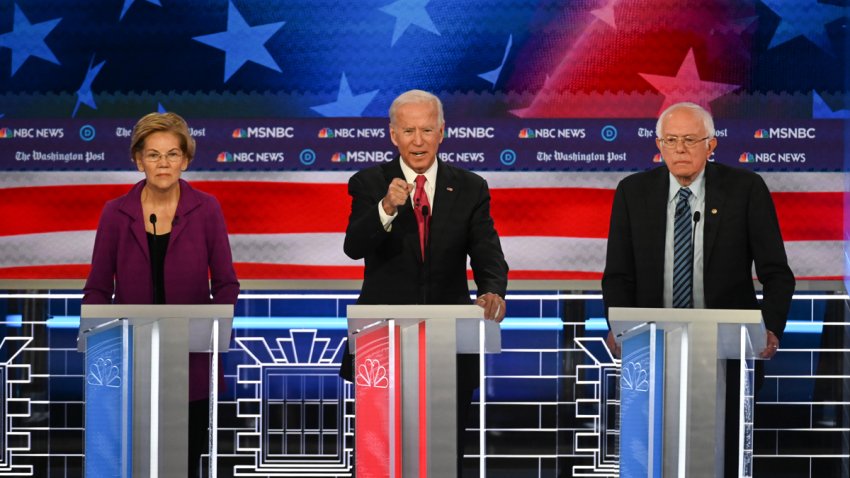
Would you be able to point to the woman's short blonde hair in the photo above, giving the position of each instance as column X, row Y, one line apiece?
column 162, row 122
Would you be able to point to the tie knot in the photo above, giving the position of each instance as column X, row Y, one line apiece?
column 684, row 193
column 420, row 181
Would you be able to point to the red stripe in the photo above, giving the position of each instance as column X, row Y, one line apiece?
column 262, row 207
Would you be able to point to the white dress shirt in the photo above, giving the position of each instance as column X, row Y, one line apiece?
column 697, row 203
column 410, row 178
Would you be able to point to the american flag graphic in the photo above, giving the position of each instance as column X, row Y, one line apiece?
column 553, row 225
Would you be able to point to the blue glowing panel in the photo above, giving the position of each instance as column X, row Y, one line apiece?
column 640, row 417
column 109, row 402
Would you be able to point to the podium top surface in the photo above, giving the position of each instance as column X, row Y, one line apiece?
column 625, row 321
column 361, row 317
column 156, row 311
column 417, row 312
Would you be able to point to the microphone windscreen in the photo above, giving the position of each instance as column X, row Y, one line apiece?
column 153, row 218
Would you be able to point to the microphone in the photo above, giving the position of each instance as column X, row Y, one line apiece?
column 693, row 247
column 153, row 262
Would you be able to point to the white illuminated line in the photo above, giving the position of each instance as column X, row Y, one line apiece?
column 213, row 432
column 125, row 399
column 154, row 401
column 482, row 393
column 393, row 404
column 683, row 404
column 650, row 467
column 742, row 381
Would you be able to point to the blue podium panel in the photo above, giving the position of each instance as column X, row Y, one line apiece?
column 641, row 406
column 109, row 381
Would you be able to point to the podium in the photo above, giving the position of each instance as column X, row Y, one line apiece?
column 673, row 388
column 137, row 384
column 405, row 382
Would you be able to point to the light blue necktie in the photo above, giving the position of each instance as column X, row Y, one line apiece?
column 683, row 258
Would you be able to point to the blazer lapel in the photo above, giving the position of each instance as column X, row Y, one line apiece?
column 189, row 201
column 132, row 207
column 715, row 198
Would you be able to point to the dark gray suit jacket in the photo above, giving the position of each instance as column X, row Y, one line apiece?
column 740, row 229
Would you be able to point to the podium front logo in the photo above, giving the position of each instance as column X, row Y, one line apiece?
column 634, row 377
column 104, row 373
column 372, row 374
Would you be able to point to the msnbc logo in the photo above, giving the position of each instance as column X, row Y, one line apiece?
column 225, row 157
column 527, row 133
column 326, row 133
column 239, row 133
column 760, row 134
column 747, row 157
column 657, row 158
column 339, row 158
column 6, row 133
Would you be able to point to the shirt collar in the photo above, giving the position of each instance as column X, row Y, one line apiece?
column 696, row 187
column 410, row 174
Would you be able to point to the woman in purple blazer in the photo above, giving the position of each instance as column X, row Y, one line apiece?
column 165, row 242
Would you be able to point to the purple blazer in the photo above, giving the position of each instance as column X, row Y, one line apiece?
column 198, row 261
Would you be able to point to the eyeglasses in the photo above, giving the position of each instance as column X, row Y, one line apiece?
column 670, row 142
column 172, row 156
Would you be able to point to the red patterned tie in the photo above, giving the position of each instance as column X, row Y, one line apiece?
column 420, row 204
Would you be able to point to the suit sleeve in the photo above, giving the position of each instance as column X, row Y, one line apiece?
column 486, row 257
column 364, row 232
column 769, row 257
column 223, row 283
column 100, row 284
column 619, row 277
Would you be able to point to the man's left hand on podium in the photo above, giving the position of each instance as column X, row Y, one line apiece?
column 493, row 305
column 772, row 346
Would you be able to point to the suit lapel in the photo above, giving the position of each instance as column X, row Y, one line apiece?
column 715, row 197
column 656, row 210
column 445, row 194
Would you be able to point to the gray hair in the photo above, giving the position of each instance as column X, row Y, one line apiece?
column 707, row 120
column 416, row 96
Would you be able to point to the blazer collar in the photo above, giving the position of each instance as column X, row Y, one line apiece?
column 131, row 206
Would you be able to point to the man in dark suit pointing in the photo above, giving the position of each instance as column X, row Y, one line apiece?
column 656, row 259
column 416, row 220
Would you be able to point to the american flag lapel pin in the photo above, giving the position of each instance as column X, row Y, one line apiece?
column 450, row 189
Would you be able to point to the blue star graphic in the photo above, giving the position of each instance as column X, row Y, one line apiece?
column 803, row 19
column 26, row 40
column 84, row 94
column 346, row 104
column 160, row 108
column 242, row 43
column 821, row 110
column 492, row 76
column 409, row 12
column 129, row 3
